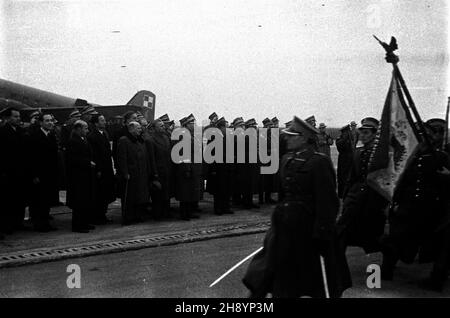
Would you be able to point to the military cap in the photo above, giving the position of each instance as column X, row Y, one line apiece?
column 36, row 113
column 266, row 121
column 437, row 124
column 322, row 125
column 139, row 115
column 300, row 127
column 237, row 122
column 164, row 118
column 288, row 123
column 187, row 120
column 212, row 116
column 75, row 114
column 251, row 123
column 346, row 127
column 81, row 102
column 275, row 120
column 353, row 123
column 169, row 123
column 369, row 123
column 88, row 110
column 221, row 122
column 311, row 120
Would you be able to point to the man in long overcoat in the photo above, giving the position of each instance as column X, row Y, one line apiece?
column 12, row 172
column 188, row 174
column 104, row 174
column 346, row 148
column 80, row 177
column 303, row 233
column 220, row 176
column 43, row 148
column 135, row 174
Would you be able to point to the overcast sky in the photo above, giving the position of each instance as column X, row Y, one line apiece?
column 252, row 58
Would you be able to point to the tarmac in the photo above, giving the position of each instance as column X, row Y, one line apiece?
column 30, row 247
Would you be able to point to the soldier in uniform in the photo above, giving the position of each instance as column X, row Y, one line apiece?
column 413, row 229
column 220, row 176
column 346, row 148
column 311, row 120
column 213, row 118
column 188, row 175
column 303, row 231
column 250, row 171
column 66, row 129
column 363, row 215
column 266, row 182
column 275, row 122
column 325, row 140
column 238, row 125
column 162, row 148
column 87, row 112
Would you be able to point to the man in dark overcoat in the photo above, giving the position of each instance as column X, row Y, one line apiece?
column 220, row 176
column 161, row 145
column 346, row 148
column 80, row 177
column 302, row 236
column 249, row 171
column 188, row 174
column 135, row 174
column 12, row 172
column 104, row 187
column 43, row 148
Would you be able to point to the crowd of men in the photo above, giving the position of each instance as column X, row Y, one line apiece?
column 97, row 163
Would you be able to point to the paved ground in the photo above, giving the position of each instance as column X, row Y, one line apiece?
column 183, row 270
column 30, row 240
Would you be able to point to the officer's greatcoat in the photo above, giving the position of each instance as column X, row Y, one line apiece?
column 303, row 228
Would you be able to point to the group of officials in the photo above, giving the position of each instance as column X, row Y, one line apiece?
column 96, row 163
column 310, row 229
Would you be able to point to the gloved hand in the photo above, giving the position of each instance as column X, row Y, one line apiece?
column 156, row 185
column 322, row 246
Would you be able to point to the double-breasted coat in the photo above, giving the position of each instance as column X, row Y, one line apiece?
column 303, row 229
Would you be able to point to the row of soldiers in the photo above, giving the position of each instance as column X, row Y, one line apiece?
column 42, row 157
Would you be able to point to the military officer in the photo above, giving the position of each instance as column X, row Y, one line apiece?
column 303, row 230
column 346, row 148
column 311, row 120
column 220, row 176
column 266, row 182
column 250, row 173
column 238, row 125
column 275, row 122
column 188, row 175
column 363, row 215
column 413, row 229
column 325, row 140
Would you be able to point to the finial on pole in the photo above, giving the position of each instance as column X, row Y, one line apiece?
column 389, row 48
